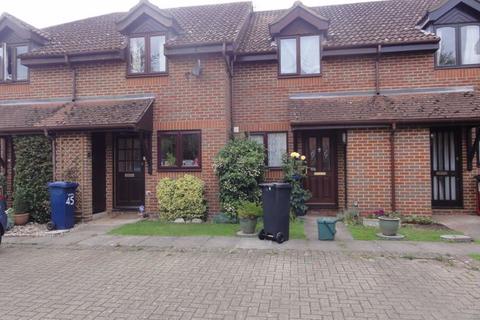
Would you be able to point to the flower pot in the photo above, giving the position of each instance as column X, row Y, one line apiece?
column 389, row 226
column 21, row 219
column 248, row 225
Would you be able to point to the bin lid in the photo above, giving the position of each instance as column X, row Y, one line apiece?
column 326, row 220
column 62, row 184
column 277, row 185
column 477, row 177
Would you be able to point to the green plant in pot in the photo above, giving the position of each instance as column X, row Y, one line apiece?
column 389, row 223
column 248, row 214
column 21, row 207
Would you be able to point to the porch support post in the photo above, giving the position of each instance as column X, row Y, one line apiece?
column 392, row 167
column 472, row 148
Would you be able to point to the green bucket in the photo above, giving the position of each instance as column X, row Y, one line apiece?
column 326, row 228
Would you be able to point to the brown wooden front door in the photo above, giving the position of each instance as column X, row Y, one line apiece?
column 129, row 172
column 320, row 150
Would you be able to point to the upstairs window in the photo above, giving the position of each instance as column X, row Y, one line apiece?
column 459, row 45
column 300, row 55
column 11, row 68
column 147, row 55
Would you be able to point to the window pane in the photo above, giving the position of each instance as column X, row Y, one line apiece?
column 326, row 156
column 191, row 150
column 257, row 138
column 288, row 56
column 168, row 147
column 310, row 54
column 446, row 55
column 2, row 61
column 9, row 61
column 157, row 57
column 470, row 38
column 277, row 147
column 137, row 55
column 22, row 71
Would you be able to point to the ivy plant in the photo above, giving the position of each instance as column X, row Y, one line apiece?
column 33, row 170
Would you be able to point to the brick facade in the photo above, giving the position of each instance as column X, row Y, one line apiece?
column 256, row 99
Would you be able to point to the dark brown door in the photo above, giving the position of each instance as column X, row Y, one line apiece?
column 446, row 168
column 99, row 182
column 129, row 172
column 322, row 171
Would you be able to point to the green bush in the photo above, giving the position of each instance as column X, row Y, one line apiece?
column 3, row 184
column 240, row 167
column 249, row 210
column 416, row 219
column 33, row 170
column 294, row 170
column 181, row 198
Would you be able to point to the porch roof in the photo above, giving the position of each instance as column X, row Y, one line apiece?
column 121, row 114
column 452, row 105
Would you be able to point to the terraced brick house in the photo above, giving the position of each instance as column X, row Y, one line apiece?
column 382, row 98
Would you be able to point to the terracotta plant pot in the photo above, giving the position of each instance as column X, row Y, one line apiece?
column 248, row 225
column 21, row 219
column 389, row 226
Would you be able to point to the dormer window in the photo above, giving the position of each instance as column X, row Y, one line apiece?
column 459, row 45
column 146, row 55
column 299, row 55
column 11, row 68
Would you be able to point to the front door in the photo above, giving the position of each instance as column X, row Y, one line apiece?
column 320, row 150
column 129, row 172
column 446, row 168
column 99, row 181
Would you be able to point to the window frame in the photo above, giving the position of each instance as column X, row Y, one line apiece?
column 458, row 47
column 178, row 151
column 148, row 67
column 298, row 74
column 14, row 65
column 265, row 144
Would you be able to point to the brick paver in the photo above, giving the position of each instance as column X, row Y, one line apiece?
column 120, row 283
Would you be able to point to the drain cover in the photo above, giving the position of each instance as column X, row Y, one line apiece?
column 456, row 238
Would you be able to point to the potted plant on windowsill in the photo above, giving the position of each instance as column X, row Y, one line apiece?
column 389, row 224
column 248, row 214
column 21, row 207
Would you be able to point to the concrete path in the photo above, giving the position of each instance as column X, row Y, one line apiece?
column 94, row 235
column 467, row 224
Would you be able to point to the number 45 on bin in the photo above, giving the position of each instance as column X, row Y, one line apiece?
column 70, row 199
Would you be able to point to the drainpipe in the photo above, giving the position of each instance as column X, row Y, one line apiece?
column 392, row 166
column 74, row 78
column 345, row 173
column 230, row 83
column 377, row 70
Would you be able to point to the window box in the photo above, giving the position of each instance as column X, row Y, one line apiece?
column 179, row 151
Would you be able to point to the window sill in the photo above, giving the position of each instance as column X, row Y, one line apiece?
column 274, row 168
column 147, row 75
column 170, row 169
column 15, row 82
column 468, row 66
column 297, row 76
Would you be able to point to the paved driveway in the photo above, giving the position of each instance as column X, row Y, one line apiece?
column 135, row 283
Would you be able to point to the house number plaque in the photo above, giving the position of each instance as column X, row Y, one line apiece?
column 129, row 175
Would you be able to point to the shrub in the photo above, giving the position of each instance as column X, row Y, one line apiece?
column 33, row 170
column 240, row 167
column 3, row 185
column 181, row 198
column 415, row 219
column 294, row 169
column 249, row 210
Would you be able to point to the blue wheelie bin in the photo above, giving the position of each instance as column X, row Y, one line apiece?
column 62, row 203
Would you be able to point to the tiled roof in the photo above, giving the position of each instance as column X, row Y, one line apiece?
column 382, row 109
column 83, row 114
column 357, row 24
column 208, row 24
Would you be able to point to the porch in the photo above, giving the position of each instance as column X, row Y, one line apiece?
column 387, row 152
